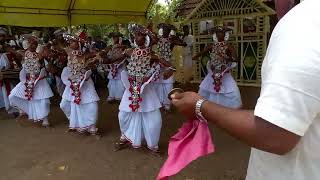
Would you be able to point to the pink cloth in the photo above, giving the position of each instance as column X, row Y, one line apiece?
column 191, row 142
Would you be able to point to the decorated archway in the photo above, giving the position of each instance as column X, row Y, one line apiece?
column 249, row 21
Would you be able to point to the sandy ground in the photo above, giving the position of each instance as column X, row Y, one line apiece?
column 32, row 153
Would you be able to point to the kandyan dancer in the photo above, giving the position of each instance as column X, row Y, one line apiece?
column 219, row 85
column 58, row 60
column 80, row 99
column 31, row 95
column 115, row 85
column 139, row 116
column 166, row 42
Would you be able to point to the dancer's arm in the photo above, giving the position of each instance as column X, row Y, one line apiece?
column 175, row 41
column 156, row 58
column 206, row 50
column 23, row 75
column 231, row 53
column 65, row 77
column 119, row 58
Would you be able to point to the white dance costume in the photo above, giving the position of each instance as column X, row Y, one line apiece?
column 139, row 116
column 4, row 100
column 164, row 86
column 32, row 94
column 115, row 85
column 80, row 99
column 60, row 63
column 219, row 85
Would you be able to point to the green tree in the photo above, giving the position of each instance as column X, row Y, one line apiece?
column 104, row 30
column 100, row 30
column 164, row 13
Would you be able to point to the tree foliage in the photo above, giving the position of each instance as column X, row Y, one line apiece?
column 164, row 13
column 100, row 30
column 157, row 13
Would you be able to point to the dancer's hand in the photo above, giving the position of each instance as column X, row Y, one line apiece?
column 99, row 58
column 91, row 64
column 167, row 74
column 51, row 68
column 186, row 103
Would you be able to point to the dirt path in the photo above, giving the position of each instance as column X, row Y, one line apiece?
column 31, row 153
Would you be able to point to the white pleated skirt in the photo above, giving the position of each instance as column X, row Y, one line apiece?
column 138, row 127
column 37, row 110
column 230, row 100
column 116, row 89
column 81, row 117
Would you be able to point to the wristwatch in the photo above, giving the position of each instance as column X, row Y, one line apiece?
column 198, row 110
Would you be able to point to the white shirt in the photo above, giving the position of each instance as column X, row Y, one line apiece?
column 4, row 61
column 187, row 51
column 290, row 96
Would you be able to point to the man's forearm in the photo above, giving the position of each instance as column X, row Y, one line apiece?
column 249, row 129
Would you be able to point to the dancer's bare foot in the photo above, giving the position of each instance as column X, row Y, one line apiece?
column 156, row 153
column 46, row 125
column 37, row 124
column 97, row 135
column 22, row 119
column 14, row 115
column 121, row 145
column 71, row 131
column 22, row 116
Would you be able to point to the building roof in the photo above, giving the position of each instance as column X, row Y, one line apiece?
column 189, row 8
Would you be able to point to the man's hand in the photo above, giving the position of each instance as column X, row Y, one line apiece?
column 186, row 103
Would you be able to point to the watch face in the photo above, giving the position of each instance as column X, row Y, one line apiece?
column 173, row 91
